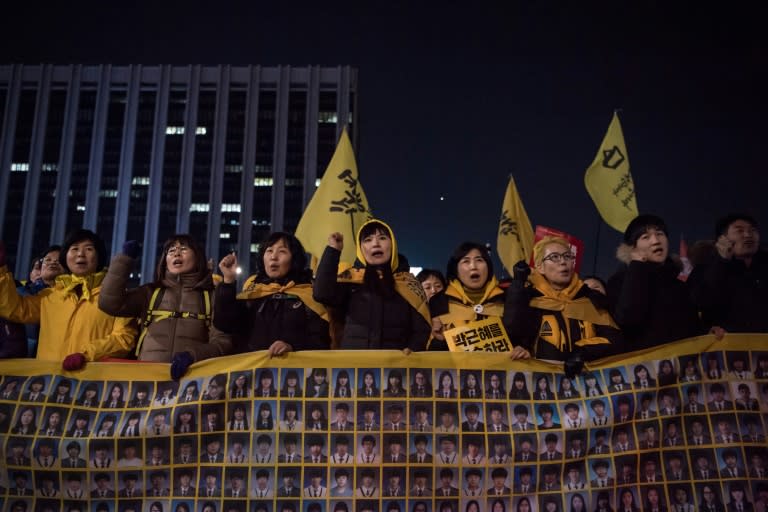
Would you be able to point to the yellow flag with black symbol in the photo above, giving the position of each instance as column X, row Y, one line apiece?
column 338, row 205
column 609, row 181
column 514, row 241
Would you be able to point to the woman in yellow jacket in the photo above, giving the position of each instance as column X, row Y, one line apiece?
column 72, row 327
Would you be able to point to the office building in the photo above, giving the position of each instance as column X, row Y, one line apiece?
column 226, row 153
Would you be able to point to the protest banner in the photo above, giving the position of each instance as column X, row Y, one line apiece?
column 665, row 429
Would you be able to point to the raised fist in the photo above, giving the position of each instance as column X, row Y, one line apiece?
column 228, row 267
column 724, row 247
column 521, row 271
column 132, row 248
column 336, row 240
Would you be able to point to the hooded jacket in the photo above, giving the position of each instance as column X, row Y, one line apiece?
column 373, row 321
column 553, row 324
column 272, row 310
column 168, row 336
column 650, row 304
column 69, row 317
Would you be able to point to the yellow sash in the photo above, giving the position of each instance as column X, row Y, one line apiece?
column 406, row 285
column 254, row 290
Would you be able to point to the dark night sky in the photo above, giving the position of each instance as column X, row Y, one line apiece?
column 453, row 99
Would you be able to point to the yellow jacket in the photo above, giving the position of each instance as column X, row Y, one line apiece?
column 68, row 324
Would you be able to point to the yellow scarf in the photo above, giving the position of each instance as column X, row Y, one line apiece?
column 456, row 290
column 88, row 283
column 563, row 300
column 254, row 290
column 406, row 285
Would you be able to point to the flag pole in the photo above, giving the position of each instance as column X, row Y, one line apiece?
column 597, row 245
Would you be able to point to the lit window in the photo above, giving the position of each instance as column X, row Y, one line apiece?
column 179, row 130
column 255, row 248
column 317, row 182
column 262, row 182
column 140, row 180
column 108, row 193
column 199, row 207
column 327, row 117
column 81, row 207
column 223, row 235
column 233, row 168
column 49, row 167
column 260, row 222
column 20, row 167
column 230, row 207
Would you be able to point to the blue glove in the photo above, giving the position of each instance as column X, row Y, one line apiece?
column 132, row 249
column 180, row 364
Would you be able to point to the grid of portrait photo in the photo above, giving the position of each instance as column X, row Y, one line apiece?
column 684, row 434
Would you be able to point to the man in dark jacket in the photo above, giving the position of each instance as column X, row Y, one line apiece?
column 732, row 290
column 649, row 303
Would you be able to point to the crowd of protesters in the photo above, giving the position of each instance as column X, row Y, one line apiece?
column 77, row 307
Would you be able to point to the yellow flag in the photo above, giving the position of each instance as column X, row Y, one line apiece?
column 339, row 204
column 609, row 181
column 515, row 239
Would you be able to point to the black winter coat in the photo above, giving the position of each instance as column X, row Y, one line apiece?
column 651, row 305
column 371, row 321
column 732, row 295
column 524, row 324
column 258, row 323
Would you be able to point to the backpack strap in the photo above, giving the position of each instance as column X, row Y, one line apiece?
column 155, row 315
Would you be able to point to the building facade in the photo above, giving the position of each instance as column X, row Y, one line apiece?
column 226, row 153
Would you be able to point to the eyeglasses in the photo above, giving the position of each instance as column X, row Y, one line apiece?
column 177, row 250
column 557, row 257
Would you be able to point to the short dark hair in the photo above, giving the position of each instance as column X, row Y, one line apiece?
column 298, row 271
column 451, row 271
column 430, row 272
column 201, row 261
column 499, row 472
column 640, row 224
column 723, row 223
column 81, row 235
